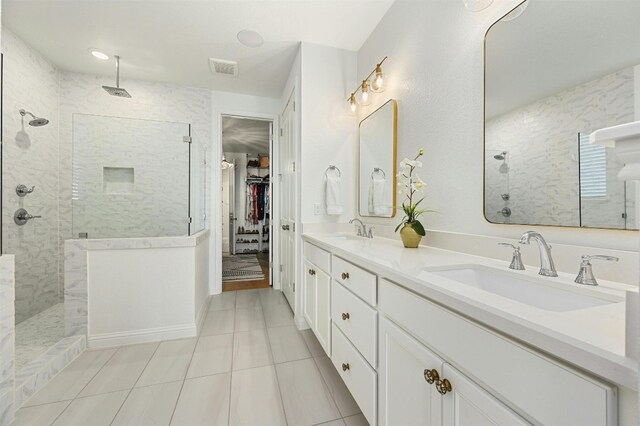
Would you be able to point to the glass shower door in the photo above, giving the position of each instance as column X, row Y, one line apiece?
column 130, row 177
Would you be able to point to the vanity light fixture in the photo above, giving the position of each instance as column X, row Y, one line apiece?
column 374, row 83
column 98, row 54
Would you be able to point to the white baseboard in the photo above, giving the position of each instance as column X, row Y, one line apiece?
column 202, row 313
column 141, row 336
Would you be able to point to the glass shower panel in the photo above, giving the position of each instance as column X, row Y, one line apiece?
column 130, row 177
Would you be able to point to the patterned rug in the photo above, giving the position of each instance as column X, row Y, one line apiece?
column 241, row 267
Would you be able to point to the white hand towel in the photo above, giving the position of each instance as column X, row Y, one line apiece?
column 377, row 204
column 333, row 197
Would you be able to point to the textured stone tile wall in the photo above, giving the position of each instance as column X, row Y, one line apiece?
column 31, row 158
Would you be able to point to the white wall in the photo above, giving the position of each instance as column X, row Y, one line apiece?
column 30, row 158
column 435, row 67
column 328, row 129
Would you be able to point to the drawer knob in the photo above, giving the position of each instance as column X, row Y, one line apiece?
column 345, row 367
column 345, row 316
column 345, row 275
column 313, row 272
column 310, row 271
column 444, row 386
column 431, row 376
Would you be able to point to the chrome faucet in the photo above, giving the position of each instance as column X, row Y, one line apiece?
column 362, row 228
column 547, row 268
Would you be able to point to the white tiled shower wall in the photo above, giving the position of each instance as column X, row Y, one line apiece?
column 544, row 182
column 31, row 158
column 42, row 156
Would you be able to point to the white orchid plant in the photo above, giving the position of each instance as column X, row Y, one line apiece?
column 410, row 185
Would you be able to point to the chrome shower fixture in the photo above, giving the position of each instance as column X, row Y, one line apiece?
column 501, row 156
column 36, row 121
column 117, row 91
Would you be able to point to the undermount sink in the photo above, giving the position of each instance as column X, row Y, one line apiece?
column 538, row 292
column 338, row 237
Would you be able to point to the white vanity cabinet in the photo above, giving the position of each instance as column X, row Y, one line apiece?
column 317, row 293
column 409, row 379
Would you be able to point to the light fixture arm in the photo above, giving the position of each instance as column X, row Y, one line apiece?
column 367, row 78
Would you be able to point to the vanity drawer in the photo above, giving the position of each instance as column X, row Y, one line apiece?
column 317, row 256
column 357, row 320
column 360, row 378
column 356, row 279
column 539, row 388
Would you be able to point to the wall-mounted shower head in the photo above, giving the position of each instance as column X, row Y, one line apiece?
column 501, row 156
column 36, row 121
column 117, row 91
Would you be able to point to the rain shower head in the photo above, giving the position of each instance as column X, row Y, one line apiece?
column 501, row 156
column 117, row 91
column 36, row 121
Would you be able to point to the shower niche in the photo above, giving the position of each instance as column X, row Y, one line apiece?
column 118, row 180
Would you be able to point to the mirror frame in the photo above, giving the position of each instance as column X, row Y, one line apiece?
column 395, row 155
column 484, row 146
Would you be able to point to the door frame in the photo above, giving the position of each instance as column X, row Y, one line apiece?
column 216, row 175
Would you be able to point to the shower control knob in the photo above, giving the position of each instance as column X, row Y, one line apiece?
column 22, row 190
column 22, row 216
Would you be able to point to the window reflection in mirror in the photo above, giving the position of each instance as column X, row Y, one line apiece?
column 554, row 74
column 377, row 162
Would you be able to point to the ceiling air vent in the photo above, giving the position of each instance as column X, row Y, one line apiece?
column 221, row 66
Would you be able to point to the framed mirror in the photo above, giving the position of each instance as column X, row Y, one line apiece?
column 555, row 71
column 377, row 162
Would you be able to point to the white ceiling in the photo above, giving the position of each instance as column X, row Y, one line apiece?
column 171, row 40
column 555, row 45
column 243, row 135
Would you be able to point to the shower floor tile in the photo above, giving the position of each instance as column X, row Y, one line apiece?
column 37, row 334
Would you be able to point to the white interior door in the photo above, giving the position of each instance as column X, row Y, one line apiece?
column 287, row 204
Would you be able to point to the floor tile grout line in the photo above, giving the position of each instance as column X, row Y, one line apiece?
column 184, row 379
column 233, row 350
column 275, row 370
column 135, row 383
column 87, row 384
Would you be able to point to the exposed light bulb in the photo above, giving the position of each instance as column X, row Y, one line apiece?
column 364, row 97
column 378, row 80
column 352, row 103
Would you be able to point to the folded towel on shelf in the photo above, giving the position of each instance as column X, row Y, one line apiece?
column 377, row 205
column 333, row 196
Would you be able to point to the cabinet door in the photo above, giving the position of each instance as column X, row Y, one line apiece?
column 323, row 308
column 310, row 294
column 405, row 396
column 469, row 405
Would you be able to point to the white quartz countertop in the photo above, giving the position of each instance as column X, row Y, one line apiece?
column 590, row 338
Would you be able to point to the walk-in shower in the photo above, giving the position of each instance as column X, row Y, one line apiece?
column 35, row 121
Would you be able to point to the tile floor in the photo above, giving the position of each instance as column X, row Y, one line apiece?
column 248, row 366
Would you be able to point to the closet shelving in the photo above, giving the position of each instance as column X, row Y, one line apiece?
column 255, row 238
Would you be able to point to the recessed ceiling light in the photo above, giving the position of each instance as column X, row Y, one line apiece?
column 98, row 54
column 250, row 38
column 477, row 5
column 515, row 12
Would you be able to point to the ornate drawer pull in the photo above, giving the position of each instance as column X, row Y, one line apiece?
column 345, row 367
column 345, row 316
column 431, row 376
column 345, row 275
column 444, row 386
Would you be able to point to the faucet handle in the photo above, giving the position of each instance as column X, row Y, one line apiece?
column 585, row 275
column 588, row 257
column 516, row 261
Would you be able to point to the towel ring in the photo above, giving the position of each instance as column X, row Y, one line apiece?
column 378, row 170
column 332, row 167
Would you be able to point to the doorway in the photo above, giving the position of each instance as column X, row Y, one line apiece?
column 246, row 170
